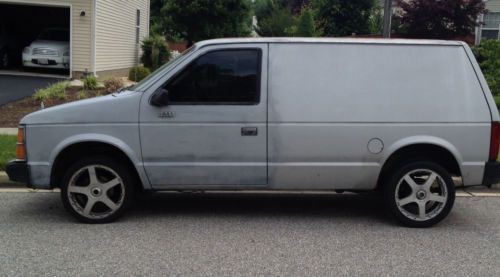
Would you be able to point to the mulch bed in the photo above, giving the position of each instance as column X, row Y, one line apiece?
column 11, row 113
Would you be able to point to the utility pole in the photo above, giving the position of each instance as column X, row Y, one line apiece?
column 387, row 18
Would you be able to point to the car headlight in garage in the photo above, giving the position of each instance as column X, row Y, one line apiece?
column 26, row 50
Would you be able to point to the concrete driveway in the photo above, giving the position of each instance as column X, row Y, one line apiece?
column 17, row 87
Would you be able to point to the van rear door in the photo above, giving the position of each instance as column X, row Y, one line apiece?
column 213, row 131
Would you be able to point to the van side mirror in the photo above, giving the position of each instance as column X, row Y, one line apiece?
column 159, row 98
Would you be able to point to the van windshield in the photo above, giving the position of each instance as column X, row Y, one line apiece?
column 141, row 85
column 54, row 35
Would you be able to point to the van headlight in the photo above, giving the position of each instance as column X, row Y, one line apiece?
column 26, row 50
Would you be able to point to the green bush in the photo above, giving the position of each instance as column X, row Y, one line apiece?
column 155, row 52
column 137, row 73
column 113, row 84
column 54, row 91
column 90, row 82
column 497, row 101
column 488, row 56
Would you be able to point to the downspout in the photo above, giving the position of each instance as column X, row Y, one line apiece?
column 93, row 40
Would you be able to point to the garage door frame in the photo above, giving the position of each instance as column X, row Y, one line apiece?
column 45, row 4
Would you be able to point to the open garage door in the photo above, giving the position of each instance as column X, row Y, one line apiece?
column 35, row 40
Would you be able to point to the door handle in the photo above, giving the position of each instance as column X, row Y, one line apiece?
column 249, row 131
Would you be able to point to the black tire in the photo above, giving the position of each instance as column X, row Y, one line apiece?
column 4, row 59
column 409, row 214
column 108, row 172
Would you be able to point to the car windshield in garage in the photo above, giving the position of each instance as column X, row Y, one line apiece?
column 54, row 34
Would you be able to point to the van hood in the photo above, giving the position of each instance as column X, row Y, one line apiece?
column 114, row 108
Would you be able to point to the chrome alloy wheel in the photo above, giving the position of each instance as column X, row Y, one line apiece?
column 421, row 194
column 96, row 191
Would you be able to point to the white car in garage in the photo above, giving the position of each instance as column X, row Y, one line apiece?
column 49, row 50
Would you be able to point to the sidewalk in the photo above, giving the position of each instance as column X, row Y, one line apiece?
column 8, row 131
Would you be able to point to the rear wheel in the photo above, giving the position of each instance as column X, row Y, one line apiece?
column 97, row 190
column 420, row 194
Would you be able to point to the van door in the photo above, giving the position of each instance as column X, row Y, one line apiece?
column 212, row 133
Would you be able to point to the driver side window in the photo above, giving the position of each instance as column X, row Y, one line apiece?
column 221, row 77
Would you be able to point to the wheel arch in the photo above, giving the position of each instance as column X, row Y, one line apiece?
column 426, row 148
column 94, row 144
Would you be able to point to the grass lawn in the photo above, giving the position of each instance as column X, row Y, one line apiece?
column 7, row 150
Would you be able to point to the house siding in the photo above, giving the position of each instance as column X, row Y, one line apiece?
column 115, row 39
column 493, row 5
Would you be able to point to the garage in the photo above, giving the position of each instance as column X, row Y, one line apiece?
column 35, row 39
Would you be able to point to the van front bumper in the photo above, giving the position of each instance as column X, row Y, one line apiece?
column 491, row 173
column 18, row 171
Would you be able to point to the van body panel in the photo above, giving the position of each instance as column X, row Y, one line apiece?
column 336, row 155
column 203, row 145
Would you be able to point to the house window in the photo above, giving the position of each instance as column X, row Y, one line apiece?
column 491, row 27
column 137, row 26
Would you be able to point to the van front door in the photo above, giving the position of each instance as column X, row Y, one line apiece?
column 212, row 131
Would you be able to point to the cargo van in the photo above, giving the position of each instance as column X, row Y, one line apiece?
column 400, row 116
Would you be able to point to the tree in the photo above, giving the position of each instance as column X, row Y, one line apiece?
column 343, row 17
column 305, row 25
column 443, row 19
column 488, row 56
column 195, row 20
column 274, row 18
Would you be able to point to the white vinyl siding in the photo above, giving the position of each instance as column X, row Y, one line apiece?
column 116, row 46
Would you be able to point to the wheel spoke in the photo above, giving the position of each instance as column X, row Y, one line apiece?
column 421, row 209
column 407, row 200
column 77, row 189
column 430, row 181
column 437, row 198
column 110, row 184
column 88, row 207
column 92, row 175
column 411, row 183
column 108, row 202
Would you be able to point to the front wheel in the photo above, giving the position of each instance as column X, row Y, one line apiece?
column 419, row 194
column 97, row 190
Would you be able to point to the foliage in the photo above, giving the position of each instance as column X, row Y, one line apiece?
column 305, row 24
column 488, row 56
column 497, row 101
column 113, row 84
column 7, row 150
column 90, row 82
column 445, row 19
column 137, row 73
column 195, row 20
column 376, row 19
column 274, row 18
column 54, row 91
column 284, row 18
column 155, row 52
column 343, row 17
column 82, row 94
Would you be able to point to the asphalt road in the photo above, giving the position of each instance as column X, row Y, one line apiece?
column 246, row 235
column 17, row 87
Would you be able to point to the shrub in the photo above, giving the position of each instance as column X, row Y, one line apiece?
column 155, row 52
column 90, row 83
column 81, row 95
column 113, row 84
column 488, row 56
column 137, row 73
column 54, row 91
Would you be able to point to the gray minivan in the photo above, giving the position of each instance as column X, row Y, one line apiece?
column 399, row 116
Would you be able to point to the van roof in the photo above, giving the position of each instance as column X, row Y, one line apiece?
column 329, row 40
